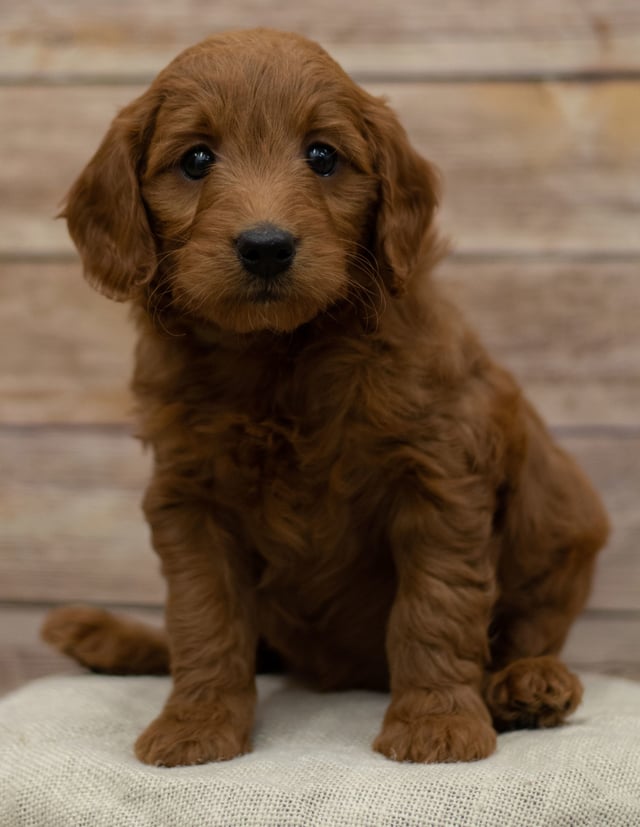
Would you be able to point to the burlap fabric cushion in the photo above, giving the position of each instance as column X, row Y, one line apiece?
column 66, row 761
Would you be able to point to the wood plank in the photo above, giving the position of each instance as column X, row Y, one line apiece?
column 599, row 642
column 612, row 464
column 528, row 167
column 71, row 527
column 605, row 643
column 554, row 320
column 65, row 351
column 567, row 328
column 121, row 39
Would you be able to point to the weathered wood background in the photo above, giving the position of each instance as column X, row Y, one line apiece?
column 532, row 112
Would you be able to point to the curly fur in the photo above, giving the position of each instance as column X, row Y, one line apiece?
column 341, row 472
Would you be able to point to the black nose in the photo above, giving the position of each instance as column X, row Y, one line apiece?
column 266, row 250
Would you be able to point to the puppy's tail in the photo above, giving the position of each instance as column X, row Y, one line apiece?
column 107, row 643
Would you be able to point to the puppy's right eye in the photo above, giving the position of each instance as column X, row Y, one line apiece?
column 323, row 159
column 197, row 161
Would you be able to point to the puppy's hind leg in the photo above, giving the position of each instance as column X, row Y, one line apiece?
column 104, row 642
column 553, row 527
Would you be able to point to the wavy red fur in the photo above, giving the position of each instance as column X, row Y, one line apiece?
column 341, row 470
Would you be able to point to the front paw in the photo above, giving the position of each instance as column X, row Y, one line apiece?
column 436, row 739
column 184, row 736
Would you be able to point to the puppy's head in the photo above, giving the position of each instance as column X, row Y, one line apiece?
column 253, row 186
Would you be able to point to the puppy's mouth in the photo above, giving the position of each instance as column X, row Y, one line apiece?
column 257, row 290
column 267, row 292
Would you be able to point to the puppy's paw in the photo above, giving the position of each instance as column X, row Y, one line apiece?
column 532, row 693
column 436, row 739
column 186, row 737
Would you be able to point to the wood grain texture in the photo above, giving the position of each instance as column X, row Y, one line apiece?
column 65, row 351
column 599, row 642
column 120, row 39
column 605, row 642
column 567, row 328
column 527, row 167
column 532, row 112
column 71, row 526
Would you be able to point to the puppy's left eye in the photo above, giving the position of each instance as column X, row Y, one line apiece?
column 197, row 161
column 322, row 158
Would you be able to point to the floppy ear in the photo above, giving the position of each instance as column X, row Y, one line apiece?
column 104, row 209
column 408, row 197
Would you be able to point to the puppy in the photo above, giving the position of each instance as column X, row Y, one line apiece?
column 342, row 474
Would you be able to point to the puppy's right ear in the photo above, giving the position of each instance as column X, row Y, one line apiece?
column 104, row 210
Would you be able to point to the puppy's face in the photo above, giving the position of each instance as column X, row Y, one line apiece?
column 259, row 183
column 253, row 186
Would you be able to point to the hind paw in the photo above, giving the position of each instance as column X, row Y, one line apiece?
column 532, row 693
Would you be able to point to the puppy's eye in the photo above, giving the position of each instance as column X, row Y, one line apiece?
column 197, row 161
column 322, row 158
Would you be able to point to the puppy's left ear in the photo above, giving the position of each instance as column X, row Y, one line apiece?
column 105, row 213
column 408, row 197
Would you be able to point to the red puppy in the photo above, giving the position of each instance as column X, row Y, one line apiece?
column 341, row 471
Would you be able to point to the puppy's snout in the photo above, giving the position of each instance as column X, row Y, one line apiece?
column 266, row 250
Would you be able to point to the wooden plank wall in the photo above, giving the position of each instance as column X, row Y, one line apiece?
column 531, row 111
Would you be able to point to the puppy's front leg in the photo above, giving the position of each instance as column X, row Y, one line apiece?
column 437, row 637
column 212, row 637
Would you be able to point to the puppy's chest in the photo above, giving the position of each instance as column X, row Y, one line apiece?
column 264, row 460
column 286, row 489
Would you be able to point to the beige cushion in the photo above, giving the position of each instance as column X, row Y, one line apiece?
column 66, row 761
